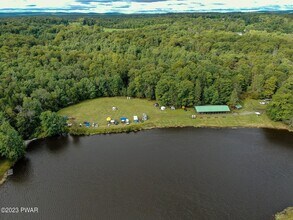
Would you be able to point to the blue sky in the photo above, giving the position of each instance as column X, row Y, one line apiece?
column 143, row 6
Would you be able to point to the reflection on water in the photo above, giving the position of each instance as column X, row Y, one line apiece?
column 75, row 139
column 58, row 146
column 279, row 137
column 21, row 171
column 158, row 174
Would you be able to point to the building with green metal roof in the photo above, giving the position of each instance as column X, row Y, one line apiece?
column 212, row 109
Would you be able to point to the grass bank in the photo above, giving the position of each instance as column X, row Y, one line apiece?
column 4, row 166
column 286, row 214
column 97, row 110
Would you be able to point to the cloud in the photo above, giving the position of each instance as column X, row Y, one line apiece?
column 129, row 1
column 218, row 3
column 79, row 8
column 143, row 6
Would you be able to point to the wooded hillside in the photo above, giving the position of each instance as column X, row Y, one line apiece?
column 47, row 63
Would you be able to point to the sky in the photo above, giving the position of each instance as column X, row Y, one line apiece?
column 143, row 6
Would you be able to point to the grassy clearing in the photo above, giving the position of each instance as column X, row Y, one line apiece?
column 287, row 214
column 252, row 105
column 4, row 166
column 97, row 110
column 116, row 29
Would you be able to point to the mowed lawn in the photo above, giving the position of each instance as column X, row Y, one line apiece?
column 97, row 110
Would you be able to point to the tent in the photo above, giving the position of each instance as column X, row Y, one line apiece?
column 144, row 117
column 87, row 124
column 135, row 119
column 108, row 119
column 123, row 119
column 163, row 108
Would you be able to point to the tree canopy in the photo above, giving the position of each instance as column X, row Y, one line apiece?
column 48, row 63
column 281, row 108
column 52, row 124
column 11, row 143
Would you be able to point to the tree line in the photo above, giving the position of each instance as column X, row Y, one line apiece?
column 48, row 63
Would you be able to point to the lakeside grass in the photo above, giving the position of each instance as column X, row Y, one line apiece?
column 286, row 214
column 4, row 166
column 97, row 110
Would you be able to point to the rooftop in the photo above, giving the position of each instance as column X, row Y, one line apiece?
column 212, row 108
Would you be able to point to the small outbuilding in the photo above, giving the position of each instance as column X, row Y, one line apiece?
column 212, row 109
column 238, row 106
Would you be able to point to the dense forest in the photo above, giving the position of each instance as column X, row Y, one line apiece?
column 47, row 63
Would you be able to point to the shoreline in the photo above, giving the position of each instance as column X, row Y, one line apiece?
column 128, row 129
column 4, row 175
column 136, row 128
column 4, row 178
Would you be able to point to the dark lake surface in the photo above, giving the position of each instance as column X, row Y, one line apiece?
column 190, row 173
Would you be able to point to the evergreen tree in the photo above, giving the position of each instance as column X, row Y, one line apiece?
column 197, row 95
column 234, row 99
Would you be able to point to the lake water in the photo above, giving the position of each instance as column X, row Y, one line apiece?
column 189, row 173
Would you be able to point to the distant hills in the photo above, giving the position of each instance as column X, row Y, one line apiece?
column 19, row 14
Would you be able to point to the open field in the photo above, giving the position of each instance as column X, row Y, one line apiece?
column 97, row 110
